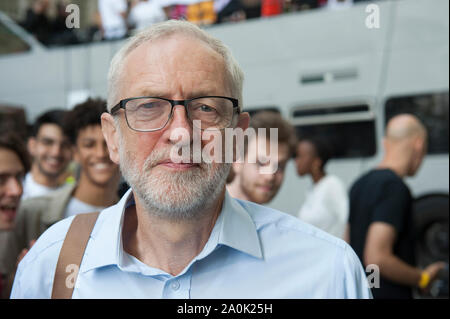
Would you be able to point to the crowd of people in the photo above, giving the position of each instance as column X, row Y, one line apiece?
column 116, row 19
column 158, row 218
column 50, row 31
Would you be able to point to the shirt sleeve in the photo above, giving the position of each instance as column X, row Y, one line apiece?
column 393, row 206
column 353, row 282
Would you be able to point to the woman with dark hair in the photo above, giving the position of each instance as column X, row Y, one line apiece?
column 326, row 204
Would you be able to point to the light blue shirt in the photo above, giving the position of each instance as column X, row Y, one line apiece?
column 252, row 252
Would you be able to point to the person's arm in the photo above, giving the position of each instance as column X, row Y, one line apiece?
column 341, row 208
column 354, row 282
column 378, row 250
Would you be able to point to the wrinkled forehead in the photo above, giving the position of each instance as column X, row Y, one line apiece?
column 173, row 63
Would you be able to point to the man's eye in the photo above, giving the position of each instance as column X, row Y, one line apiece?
column 206, row 108
column 47, row 142
column 151, row 105
column 88, row 145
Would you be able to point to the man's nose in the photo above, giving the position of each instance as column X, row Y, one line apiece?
column 180, row 121
column 269, row 177
column 56, row 149
column 13, row 187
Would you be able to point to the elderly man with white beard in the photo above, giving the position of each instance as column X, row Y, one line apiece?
column 177, row 233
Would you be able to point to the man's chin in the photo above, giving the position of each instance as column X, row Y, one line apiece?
column 261, row 199
column 176, row 196
column 172, row 206
column 7, row 218
column 51, row 173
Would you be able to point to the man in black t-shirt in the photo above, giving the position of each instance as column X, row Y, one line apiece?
column 380, row 222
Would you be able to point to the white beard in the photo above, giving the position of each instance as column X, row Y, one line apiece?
column 175, row 196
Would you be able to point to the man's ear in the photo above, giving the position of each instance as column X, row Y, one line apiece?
column 111, row 136
column 239, row 151
column 237, row 168
column 31, row 145
column 420, row 143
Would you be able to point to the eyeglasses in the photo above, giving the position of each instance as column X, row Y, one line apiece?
column 147, row 114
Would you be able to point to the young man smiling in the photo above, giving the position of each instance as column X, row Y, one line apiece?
column 97, row 184
column 51, row 152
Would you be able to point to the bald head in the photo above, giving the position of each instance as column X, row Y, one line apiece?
column 404, row 126
column 405, row 144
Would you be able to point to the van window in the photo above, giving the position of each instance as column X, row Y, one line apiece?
column 11, row 43
column 330, row 111
column 431, row 109
column 346, row 139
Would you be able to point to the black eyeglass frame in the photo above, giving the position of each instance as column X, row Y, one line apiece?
column 122, row 104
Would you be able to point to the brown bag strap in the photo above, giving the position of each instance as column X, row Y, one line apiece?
column 72, row 253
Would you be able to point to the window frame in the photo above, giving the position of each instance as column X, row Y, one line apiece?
column 416, row 95
column 341, row 117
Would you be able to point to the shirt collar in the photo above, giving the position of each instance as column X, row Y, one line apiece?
column 234, row 228
column 238, row 230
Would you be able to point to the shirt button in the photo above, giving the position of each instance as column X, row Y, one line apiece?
column 175, row 285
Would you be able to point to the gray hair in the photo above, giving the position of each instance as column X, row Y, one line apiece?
column 164, row 29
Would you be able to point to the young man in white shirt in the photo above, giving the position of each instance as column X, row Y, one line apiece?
column 51, row 151
column 326, row 204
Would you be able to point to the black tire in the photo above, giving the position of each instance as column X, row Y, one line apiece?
column 431, row 229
